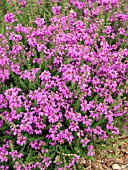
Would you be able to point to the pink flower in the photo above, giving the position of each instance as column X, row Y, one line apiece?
column 39, row 22
column 56, row 10
column 45, row 76
column 9, row 18
column 21, row 140
column 84, row 141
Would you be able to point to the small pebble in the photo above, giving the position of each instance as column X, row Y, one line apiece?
column 116, row 167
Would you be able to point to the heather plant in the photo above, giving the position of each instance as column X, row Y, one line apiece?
column 64, row 81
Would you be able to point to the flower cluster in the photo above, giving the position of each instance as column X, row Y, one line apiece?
column 67, row 83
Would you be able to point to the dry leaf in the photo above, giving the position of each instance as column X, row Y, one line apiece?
column 124, row 148
column 94, row 166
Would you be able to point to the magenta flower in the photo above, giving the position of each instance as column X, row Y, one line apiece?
column 84, row 141
column 9, row 17
column 21, row 140
column 56, row 10
column 45, row 76
column 40, row 22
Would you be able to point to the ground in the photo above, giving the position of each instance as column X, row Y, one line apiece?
column 115, row 158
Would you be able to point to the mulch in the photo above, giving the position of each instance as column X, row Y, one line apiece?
column 115, row 158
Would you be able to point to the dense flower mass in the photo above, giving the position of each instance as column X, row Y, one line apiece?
column 64, row 82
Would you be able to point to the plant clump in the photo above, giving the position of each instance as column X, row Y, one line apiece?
column 64, row 81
